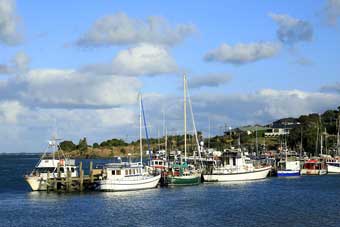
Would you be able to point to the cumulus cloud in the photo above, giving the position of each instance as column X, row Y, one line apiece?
column 209, row 80
column 18, row 65
column 9, row 111
column 70, row 89
column 21, row 62
column 331, row 88
column 239, row 109
column 9, row 34
column 292, row 30
column 243, row 53
column 144, row 59
column 120, row 29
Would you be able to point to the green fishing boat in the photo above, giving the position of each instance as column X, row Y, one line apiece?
column 182, row 176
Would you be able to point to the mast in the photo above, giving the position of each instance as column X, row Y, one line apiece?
column 166, row 140
column 317, row 138
column 185, row 116
column 209, row 134
column 194, row 126
column 140, row 129
column 338, row 137
column 301, row 143
column 256, row 142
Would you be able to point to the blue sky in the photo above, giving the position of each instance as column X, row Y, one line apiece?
column 84, row 61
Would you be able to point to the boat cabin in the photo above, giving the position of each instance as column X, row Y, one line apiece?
column 50, row 165
column 124, row 169
column 314, row 164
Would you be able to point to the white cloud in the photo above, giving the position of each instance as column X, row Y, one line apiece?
column 120, row 29
column 292, row 30
column 9, row 111
column 243, row 53
column 34, row 126
column 331, row 88
column 18, row 65
column 21, row 62
column 8, row 23
column 70, row 89
column 144, row 59
column 332, row 11
column 263, row 106
column 209, row 80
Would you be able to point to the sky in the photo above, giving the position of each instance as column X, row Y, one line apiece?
column 77, row 67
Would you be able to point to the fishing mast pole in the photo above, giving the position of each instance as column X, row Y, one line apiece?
column 338, row 137
column 140, row 129
column 185, row 116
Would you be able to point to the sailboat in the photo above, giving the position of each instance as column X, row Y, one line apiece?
column 128, row 176
column 182, row 174
column 47, row 167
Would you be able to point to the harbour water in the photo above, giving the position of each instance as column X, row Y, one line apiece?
column 301, row 201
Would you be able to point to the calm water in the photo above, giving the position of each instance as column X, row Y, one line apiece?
column 304, row 201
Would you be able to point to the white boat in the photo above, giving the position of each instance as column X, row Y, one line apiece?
column 235, row 167
column 289, row 167
column 333, row 166
column 126, row 177
column 47, row 168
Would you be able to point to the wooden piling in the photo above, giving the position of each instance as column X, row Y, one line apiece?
column 81, row 176
column 48, row 182
column 91, row 172
column 81, row 183
column 68, row 181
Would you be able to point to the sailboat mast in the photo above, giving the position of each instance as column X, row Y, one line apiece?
column 185, row 116
column 140, row 129
column 338, row 137
column 301, row 143
column 166, row 140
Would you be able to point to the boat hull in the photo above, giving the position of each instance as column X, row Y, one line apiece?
column 129, row 185
column 184, row 180
column 333, row 168
column 36, row 183
column 313, row 172
column 244, row 176
column 288, row 173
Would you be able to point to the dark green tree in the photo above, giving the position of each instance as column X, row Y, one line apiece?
column 67, row 146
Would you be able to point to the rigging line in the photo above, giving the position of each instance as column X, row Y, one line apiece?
column 193, row 123
column 146, row 129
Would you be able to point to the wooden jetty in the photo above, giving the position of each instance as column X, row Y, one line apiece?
column 72, row 184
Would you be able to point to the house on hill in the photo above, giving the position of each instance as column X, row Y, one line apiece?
column 281, row 127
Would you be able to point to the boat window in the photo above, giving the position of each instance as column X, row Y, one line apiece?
column 118, row 172
column 62, row 169
column 72, row 170
column 130, row 171
column 234, row 161
column 134, row 172
column 113, row 172
column 126, row 172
